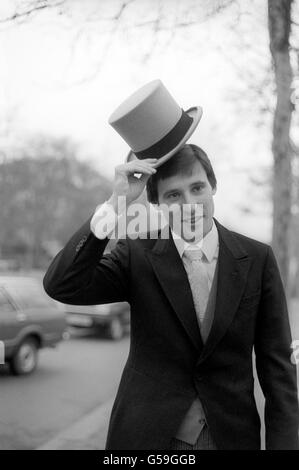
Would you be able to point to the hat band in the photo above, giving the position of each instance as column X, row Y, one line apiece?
column 169, row 141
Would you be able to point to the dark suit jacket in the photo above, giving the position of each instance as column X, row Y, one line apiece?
column 168, row 365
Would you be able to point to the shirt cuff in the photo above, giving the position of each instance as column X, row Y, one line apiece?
column 104, row 220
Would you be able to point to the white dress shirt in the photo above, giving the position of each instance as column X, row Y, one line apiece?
column 210, row 247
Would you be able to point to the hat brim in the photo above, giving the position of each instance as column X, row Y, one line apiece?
column 195, row 113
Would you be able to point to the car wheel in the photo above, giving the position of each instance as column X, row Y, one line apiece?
column 24, row 361
column 115, row 329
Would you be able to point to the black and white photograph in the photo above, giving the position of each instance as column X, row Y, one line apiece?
column 149, row 227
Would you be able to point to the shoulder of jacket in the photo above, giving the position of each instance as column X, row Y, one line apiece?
column 251, row 243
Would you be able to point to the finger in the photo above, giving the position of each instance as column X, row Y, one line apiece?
column 128, row 169
column 141, row 168
column 143, row 171
column 145, row 160
column 148, row 161
column 150, row 171
column 142, row 163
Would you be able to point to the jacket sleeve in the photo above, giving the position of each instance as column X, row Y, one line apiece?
column 80, row 274
column 276, row 373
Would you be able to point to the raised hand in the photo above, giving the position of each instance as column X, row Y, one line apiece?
column 128, row 185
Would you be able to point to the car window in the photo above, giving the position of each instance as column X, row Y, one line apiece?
column 5, row 304
column 29, row 296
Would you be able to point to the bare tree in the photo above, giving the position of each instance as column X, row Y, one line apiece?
column 279, row 16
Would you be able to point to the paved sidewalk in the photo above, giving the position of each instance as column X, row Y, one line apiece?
column 89, row 433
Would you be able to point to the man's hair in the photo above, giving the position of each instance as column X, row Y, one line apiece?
column 180, row 163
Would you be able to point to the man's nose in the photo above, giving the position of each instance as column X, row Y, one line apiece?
column 191, row 199
column 191, row 204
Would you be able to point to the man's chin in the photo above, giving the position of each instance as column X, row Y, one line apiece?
column 190, row 231
column 192, row 237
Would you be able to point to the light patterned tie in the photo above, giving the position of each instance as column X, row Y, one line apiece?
column 198, row 279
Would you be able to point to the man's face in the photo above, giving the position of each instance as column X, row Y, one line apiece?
column 190, row 197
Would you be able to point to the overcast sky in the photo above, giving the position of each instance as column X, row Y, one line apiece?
column 64, row 74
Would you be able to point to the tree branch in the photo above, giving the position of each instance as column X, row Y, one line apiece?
column 30, row 11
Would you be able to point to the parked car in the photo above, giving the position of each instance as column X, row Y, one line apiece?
column 29, row 320
column 113, row 319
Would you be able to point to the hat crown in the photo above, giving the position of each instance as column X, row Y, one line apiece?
column 153, row 124
column 146, row 116
column 135, row 99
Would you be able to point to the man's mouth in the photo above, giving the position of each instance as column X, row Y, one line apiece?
column 193, row 220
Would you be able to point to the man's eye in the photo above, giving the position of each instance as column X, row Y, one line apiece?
column 173, row 195
column 197, row 188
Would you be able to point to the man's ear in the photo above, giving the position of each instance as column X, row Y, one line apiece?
column 214, row 190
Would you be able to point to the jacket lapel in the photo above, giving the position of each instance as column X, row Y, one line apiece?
column 170, row 271
column 233, row 267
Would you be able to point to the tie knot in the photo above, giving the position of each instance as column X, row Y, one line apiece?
column 193, row 255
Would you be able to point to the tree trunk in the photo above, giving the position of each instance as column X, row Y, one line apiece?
column 279, row 22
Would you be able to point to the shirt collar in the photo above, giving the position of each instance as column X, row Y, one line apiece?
column 208, row 244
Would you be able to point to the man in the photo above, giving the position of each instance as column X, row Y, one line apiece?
column 188, row 380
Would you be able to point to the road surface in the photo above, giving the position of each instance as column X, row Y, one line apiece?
column 70, row 381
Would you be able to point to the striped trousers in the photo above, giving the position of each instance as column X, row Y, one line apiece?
column 204, row 442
